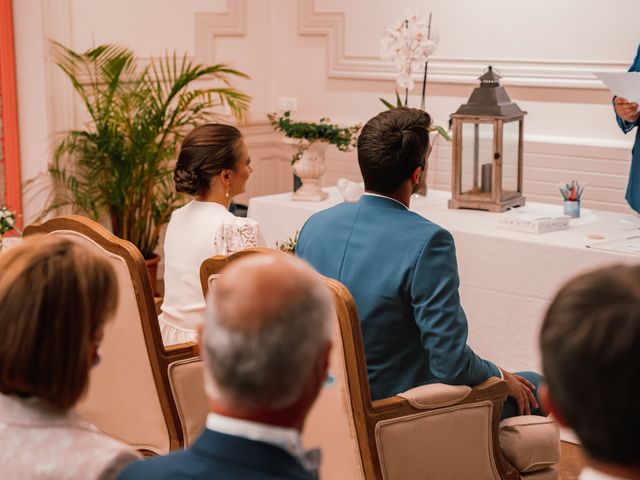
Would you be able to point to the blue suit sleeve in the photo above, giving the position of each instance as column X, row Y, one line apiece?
column 440, row 317
column 302, row 242
column 625, row 126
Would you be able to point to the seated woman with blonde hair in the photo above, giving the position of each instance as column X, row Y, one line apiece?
column 55, row 298
column 213, row 167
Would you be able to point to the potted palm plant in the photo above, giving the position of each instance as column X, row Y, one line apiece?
column 118, row 166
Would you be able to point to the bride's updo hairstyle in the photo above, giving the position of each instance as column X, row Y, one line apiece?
column 206, row 151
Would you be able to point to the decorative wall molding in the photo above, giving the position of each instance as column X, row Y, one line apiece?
column 523, row 72
column 209, row 26
column 61, row 98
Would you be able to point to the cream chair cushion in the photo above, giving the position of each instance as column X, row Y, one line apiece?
column 448, row 443
column 187, row 386
column 530, row 442
column 436, row 395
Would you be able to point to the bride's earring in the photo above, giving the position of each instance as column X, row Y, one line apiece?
column 227, row 193
column 97, row 357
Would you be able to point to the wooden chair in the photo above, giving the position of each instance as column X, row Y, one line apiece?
column 434, row 431
column 142, row 393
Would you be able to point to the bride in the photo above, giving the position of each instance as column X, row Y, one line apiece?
column 213, row 167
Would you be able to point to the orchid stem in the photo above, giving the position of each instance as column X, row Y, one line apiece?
column 424, row 85
column 426, row 67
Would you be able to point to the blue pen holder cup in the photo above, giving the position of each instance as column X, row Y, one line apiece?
column 572, row 208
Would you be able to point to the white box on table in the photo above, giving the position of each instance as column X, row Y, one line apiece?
column 531, row 223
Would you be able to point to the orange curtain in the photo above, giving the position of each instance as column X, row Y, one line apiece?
column 10, row 135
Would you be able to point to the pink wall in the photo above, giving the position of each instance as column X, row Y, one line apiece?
column 324, row 53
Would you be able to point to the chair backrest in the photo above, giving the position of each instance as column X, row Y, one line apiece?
column 129, row 395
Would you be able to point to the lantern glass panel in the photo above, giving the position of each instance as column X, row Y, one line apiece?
column 510, row 151
column 477, row 150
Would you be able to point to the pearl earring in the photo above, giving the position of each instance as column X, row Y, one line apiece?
column 227, row 193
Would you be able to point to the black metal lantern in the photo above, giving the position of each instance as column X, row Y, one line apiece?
column 487, row 149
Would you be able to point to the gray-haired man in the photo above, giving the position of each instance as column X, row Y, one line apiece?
column 266, row 344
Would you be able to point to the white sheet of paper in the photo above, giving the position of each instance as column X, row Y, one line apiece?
column 630, row 245
column 623, row 84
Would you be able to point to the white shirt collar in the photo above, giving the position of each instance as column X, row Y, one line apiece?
column 591, row 474
column 289, row 439
column 384, row 196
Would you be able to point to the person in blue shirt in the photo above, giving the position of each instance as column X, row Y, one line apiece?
column 628, row 118
column 402, row 271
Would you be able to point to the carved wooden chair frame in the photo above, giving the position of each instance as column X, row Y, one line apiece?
column 160, row 357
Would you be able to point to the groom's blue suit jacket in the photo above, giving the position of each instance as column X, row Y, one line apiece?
column 402, row 272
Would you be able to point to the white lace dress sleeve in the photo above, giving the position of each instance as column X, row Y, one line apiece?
column 237, row 234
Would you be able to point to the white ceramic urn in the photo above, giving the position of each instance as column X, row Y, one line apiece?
column 310, row 168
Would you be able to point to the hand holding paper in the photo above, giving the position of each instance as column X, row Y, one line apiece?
column 627, row 110
column 627, row 87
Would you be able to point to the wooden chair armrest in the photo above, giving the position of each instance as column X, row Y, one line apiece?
column 389, row 404
column 181, row 351
column 426, row 397
column 158, row 303
column 493, row 387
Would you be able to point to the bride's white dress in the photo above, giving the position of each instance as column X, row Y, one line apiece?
column 197, row 231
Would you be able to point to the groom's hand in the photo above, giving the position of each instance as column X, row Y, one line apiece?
column 521, row 390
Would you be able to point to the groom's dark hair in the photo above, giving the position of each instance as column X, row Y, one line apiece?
column 391, row 146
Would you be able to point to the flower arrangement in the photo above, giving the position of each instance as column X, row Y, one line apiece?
column 409, row 43
column 304, row 133
column 289, row 245
column 7, row 220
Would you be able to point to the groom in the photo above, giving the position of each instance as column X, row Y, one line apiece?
column 401, row 270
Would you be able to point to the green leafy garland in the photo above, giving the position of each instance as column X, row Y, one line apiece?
column 345, row 139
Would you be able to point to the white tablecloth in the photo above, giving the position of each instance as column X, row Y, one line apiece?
column 507, row 278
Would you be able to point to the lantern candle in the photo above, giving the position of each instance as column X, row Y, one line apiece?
column 485, row 184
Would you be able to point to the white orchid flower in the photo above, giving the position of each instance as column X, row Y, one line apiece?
column 408, row 44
